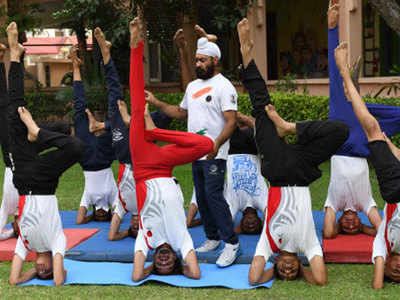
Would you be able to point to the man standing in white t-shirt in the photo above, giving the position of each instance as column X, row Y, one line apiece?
column 210, row 104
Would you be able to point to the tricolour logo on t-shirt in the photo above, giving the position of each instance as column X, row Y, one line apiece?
column 201, row 92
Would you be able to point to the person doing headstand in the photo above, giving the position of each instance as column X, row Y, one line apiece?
column 159, row 198
column 9, row 203
column 384, row 158
column 350, row 188
column 288, row 227
column 100, row 188
column 36, row 178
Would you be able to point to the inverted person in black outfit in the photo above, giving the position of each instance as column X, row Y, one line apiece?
column 36, row 178
column 288, row 227
column 9, row 203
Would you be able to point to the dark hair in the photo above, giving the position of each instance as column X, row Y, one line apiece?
column 46, row 276
column 103, row 217
column 178, row 267
column 257, row 229
column 132, row 233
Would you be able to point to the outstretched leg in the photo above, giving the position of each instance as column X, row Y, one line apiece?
column 368, row 122
column 270, row 145
column 383, row 156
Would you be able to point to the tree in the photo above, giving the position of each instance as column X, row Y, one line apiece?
column 164, row 17
column 390, row 11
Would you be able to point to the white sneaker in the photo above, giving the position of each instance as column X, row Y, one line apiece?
column 208, row 245
column 228, row 255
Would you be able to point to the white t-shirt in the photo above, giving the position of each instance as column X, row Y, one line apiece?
column 205, row 101
column 380, row 247
column 244, row 185
column 163, row 218
column 290, row 224
column 349, row 187
column 127, row 194
column 100, row 189
column 40, row 226
column 9, row 204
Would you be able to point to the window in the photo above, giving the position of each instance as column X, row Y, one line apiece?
column 297, row 39
column 381, row 45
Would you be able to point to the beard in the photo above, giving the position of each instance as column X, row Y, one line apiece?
column 207, row 73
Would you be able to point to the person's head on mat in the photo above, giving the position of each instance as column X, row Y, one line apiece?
column 349, row 222
column 287, row 266
column 251, row 223
column 166, row 262
column 134, row 227
column 44, row 265
column 101, row 215
column 392, row 267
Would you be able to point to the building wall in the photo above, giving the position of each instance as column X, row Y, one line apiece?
column 57, row 72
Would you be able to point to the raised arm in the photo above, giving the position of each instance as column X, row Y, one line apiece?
column 186, row 73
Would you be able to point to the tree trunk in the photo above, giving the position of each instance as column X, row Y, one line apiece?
column 190, row 36
column 390, row 11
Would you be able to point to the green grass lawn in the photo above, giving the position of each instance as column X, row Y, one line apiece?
column 344, row 281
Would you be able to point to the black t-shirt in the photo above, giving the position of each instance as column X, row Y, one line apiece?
column 243, row 142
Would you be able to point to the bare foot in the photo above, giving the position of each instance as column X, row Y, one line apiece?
column 2, row 52
column 148, row 121
column 73, row 55
column 136, row 31
column 94, row 125
column 103, row 44
column 123, row 110
column 202, row 33
column 246, row 45
column 12, row 34
column 16, row 49
column 333, row 13
column 283, row 127
column 26, row 117
column 179, row 39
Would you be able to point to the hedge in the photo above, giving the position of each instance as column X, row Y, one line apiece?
column 293, row 107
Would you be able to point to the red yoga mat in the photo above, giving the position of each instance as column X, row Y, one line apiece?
column 74, row 237
column 348, row 249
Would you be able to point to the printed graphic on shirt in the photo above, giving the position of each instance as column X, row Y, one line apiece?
column 244, row 175
column 202, row 132
column 117, row 135
column 201, row 92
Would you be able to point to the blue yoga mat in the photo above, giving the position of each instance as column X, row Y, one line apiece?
column 234, row 277
column 98, row 248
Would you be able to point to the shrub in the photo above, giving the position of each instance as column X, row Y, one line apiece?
column 293, row 107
